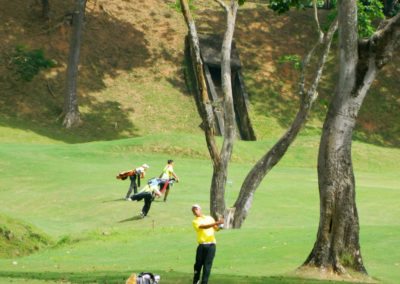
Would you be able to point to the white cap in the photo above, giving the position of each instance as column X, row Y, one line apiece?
column 146, row 166
column 196, row 206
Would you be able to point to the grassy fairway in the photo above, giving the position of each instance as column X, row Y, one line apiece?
column 70, row 193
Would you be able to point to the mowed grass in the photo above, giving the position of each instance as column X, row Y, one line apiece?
column 70, row 193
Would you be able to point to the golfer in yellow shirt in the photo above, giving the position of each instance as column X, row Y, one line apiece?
column 205, row 227
column 166, row 175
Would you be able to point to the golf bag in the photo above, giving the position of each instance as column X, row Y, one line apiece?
column 165, row 184
column 161, row 183
column 147, row 278
column 124, row 175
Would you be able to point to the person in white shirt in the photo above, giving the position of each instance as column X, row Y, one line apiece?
column 135, row 176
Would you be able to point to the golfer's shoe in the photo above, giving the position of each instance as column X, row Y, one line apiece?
column 128, row 199
column 142, row 215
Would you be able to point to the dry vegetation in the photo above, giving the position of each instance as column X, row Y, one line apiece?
column 132, row 70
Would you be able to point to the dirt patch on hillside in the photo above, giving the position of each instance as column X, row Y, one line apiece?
column 139, row 43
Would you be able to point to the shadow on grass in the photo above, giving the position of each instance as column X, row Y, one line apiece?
column 134, row 218
column 113, row 200
column 166, row 277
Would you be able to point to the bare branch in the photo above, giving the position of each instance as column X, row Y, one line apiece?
column 223, row 5
column 326, row 38
column 327, row 41
column 274, row 155
column 50, row 89
column 205, row 106
column 320, row 33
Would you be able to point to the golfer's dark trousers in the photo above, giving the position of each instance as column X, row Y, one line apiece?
column 148, row 198
column 132, row 186
column 204, row 259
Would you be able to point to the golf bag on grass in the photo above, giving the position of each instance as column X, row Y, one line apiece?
column 143, row 278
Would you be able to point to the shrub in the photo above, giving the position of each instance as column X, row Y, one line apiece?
column 27, row 63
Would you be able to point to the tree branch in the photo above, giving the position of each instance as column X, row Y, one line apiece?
column 327, row 40
column 205, row 105
column 275, row 154
column 320, row 33
column 385, row 40
column 223, row 5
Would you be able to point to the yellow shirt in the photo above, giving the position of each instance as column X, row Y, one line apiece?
column 204, row 235
column 167, row 172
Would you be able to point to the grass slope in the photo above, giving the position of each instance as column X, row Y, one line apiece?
column 18, row 239
column 70, row 192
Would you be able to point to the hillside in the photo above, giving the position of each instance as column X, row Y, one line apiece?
column 18, row 239
column 132, row 80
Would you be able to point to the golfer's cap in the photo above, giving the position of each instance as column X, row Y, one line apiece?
column 146, row 166
column 196, row 206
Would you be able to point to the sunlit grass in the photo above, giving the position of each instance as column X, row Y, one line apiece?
column 70, row 192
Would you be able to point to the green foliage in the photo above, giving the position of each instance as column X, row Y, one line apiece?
column 27, row 63
column 292, row 58
column 368, row 11
column 282, row 6
column 177, row 5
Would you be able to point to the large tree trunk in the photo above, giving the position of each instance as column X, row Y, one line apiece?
column 337, row 243
column 220, row 159
column 337, row 246
column 217, row 193
column 71, row 109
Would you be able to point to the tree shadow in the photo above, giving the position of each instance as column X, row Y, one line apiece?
column 110, row 46
column 114, row 200
column 134, row 218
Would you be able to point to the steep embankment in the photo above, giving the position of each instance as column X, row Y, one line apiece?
column 18, row 238
column 132, row 79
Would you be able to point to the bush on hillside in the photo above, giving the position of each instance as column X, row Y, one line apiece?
column 28, row 63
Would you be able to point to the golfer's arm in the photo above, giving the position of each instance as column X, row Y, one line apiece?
column 206, row 226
